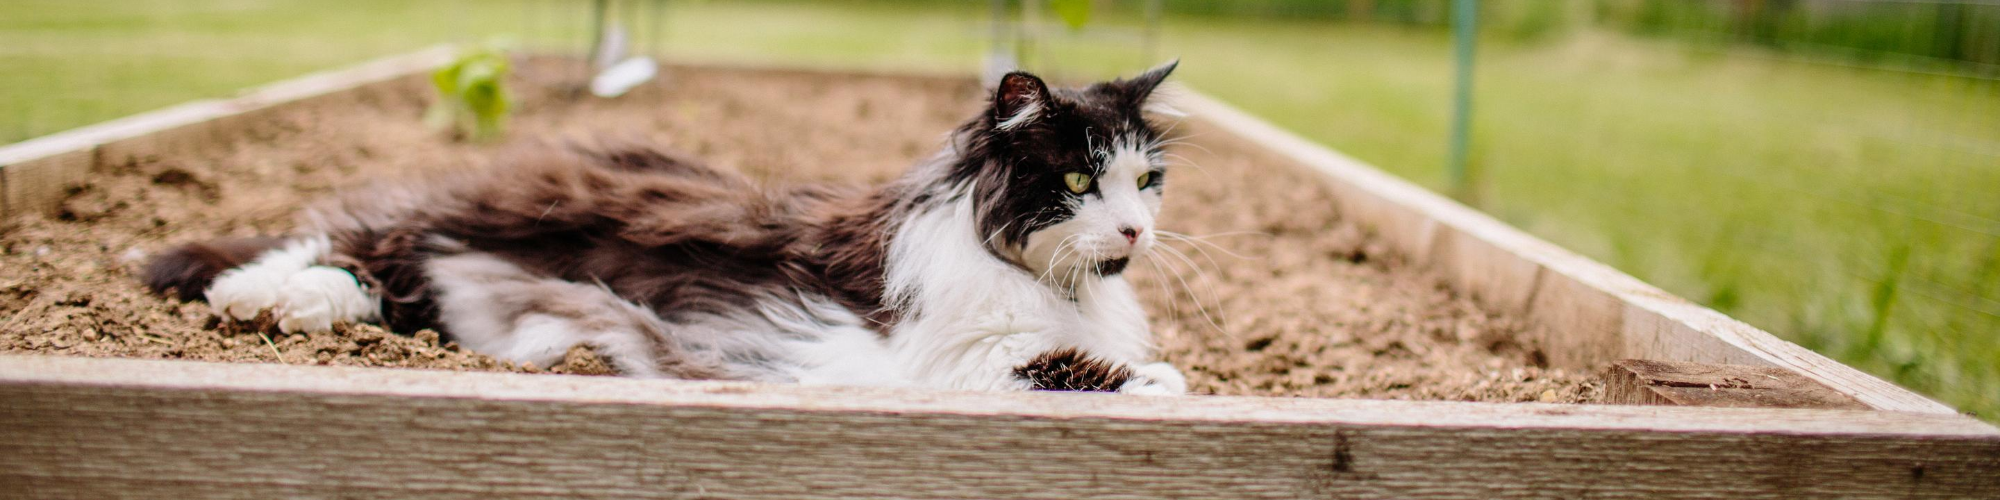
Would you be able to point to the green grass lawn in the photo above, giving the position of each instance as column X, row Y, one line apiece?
column 1850, row 210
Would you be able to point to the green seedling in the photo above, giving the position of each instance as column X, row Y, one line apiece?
column 472, row 96
column 1075, row 13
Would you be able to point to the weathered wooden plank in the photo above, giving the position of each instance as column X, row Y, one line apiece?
column 1485, row 271
column 73, row 427
column 214, row 123
column 1675, row 325
column 1578, row 323
column 1657, row 336
column 1589, row 313
column 180, row 129
column 37, row 173
column 35, row 181
column 1680, row 383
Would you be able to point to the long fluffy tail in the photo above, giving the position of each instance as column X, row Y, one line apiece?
column 186, row 271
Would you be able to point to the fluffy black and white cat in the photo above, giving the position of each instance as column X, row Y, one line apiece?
column 995, row 265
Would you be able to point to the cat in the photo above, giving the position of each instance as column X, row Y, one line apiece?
column 996, row 264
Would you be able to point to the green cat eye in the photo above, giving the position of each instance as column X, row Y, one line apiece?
column 1145, row 179
column 1078, row 182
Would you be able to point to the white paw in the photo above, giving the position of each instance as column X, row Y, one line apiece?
column 301, row 296
column 317, row 297
column 1155, row 379
column 240, row 293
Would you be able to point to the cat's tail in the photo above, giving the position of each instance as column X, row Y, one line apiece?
column 185, row 272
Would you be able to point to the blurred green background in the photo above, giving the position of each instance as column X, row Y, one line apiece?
column 1826, row 170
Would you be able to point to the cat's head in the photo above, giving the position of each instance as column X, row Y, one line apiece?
column 1068, row 182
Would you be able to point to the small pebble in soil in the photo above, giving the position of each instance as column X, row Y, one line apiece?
column 132, row 256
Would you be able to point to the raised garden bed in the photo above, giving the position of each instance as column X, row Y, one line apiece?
column 1283, row 298
column 1346, row 282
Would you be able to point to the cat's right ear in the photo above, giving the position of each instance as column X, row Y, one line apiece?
column 1019, row 100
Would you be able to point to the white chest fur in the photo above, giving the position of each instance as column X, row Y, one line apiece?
column 972, row 318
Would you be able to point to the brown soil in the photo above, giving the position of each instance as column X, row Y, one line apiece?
column 1284, row 298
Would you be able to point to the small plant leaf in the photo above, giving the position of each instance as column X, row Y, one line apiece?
column 472, row 95
column 446, row 80
column 1075, row 13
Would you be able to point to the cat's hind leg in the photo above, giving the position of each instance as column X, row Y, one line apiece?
column 496, row 308
column 291, row 283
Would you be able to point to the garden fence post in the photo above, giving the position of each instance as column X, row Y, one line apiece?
column 1464, row 22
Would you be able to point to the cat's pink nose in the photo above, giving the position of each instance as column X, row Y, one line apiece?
column 1131, row 235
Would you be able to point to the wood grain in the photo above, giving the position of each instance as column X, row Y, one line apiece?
column 1589, row 313
column 97, row 428
column 1679, row 383
column 36, row 183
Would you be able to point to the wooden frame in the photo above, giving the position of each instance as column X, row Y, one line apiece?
column 1589, row 313
column 80, row 427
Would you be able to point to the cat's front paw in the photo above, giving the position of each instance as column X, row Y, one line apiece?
column 1155, row 379
column 309, row 298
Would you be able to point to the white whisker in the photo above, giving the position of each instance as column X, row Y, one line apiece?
column 1173, row 301
column 1056, row 256
column 1206, row 255
column 1197, row 241
column 1190, row 288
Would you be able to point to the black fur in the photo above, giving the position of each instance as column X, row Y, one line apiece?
column 1070, row 370
column 1018, row 172
column 186, row 271
column 1112, row 267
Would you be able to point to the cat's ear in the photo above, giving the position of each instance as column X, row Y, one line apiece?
column 1140, row 87
column 1142, row 91
column 1018, row 100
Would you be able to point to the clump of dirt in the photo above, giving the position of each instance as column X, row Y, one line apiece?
column 1278, row 295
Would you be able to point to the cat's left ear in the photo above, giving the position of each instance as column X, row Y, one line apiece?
column 1018, row 100
column 1140, row 90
